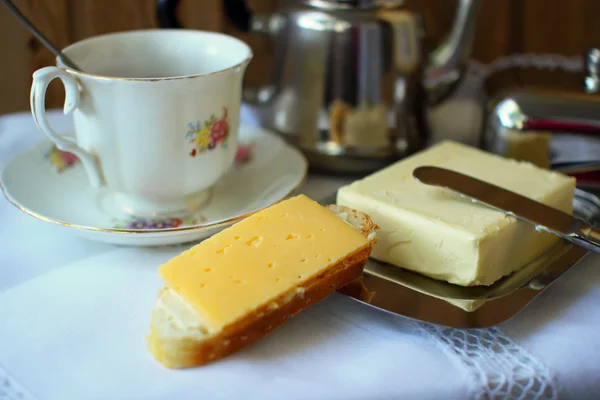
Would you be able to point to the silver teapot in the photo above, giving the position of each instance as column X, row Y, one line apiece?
column 351, row 80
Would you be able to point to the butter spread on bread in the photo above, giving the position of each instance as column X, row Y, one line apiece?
column 243, row 282
column 436, row 232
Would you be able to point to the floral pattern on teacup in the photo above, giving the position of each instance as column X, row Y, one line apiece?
column 60, row 160
column 63, row 160
column 208, row 135
column 137, row 223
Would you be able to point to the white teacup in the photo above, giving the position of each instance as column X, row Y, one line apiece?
column 156, row 114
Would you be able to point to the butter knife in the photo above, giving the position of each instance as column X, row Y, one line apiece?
column 543, row 217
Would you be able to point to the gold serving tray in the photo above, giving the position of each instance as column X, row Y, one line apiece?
column 416, row 296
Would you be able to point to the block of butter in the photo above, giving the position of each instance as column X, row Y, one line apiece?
column 235, row 287
column 435, row 232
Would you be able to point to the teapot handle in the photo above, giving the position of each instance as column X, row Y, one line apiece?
column 236, row 11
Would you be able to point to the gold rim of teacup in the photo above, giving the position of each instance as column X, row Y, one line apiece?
column 78, row 73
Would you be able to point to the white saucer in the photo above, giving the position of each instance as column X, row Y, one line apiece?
column 49, row 185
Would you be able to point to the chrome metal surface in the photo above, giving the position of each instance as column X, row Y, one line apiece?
column 351, row 79
column 406, row 293
column 547, row 110
column 592, row 67
column 335, row 94
column 448, row 291
column 561, row 127
column 447, row 63
column 544, row 218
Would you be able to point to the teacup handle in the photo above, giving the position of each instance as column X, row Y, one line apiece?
column 37, row 99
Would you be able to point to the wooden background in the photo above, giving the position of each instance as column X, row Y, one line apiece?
column 503, row 27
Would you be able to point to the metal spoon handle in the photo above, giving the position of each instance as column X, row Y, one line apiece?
column 49, row 45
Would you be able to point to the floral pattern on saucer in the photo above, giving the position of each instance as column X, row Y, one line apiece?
column 208, row 135
column 243, row 154
column 60, row 160
column 31, row 183
column 137, row 223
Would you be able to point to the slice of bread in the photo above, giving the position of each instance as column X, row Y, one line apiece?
column 179, row 338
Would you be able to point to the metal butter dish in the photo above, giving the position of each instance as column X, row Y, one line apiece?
column 416, row 296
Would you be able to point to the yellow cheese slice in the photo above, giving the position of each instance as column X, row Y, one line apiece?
column 257, row 259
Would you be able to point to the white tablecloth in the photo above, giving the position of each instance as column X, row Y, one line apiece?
column 73, row 314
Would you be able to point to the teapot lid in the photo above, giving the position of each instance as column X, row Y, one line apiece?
column 350, row 4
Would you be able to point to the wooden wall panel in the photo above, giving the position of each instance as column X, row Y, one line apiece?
column 565, row 27
column 15, row 72
column 92, row 17
column 52, row 18
column 201, row 14
column 503, row 27
column 497, row 29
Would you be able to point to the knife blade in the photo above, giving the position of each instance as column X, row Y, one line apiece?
column 543, row 217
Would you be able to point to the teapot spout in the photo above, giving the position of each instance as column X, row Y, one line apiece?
column 447, row 63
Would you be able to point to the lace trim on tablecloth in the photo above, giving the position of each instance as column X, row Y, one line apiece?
column 498, row 367
column 10, row 388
